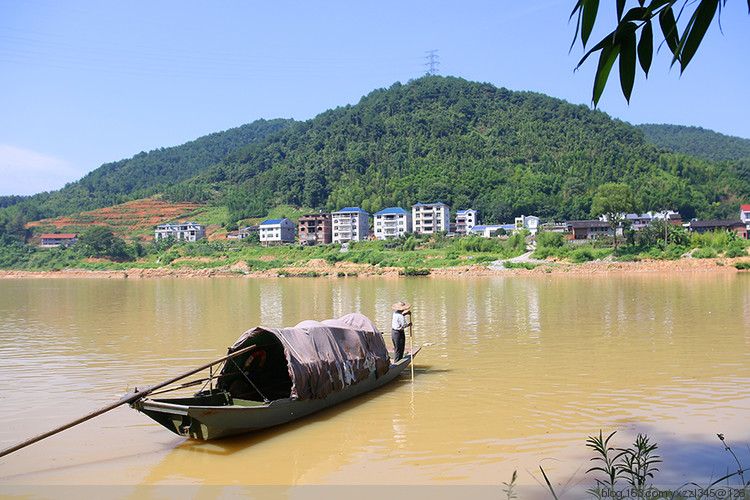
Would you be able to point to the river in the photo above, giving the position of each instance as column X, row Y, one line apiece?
column 515, row 373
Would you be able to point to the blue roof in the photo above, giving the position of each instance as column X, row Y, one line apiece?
column 271, row 221
column 428, row 204
column 352, row 209
column 393, row 210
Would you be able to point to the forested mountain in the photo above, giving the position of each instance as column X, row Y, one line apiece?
column 697, row 141
column 145, row 173
column 469, row 145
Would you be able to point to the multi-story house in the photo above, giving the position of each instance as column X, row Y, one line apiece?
column 350, row 224
column 392, row 223
column 745, row 214
column 465, row 220
column 276, row 231
column 188, row 231
column 314, row 229
column 589, row 229
column 430, row 218
column 530, row 222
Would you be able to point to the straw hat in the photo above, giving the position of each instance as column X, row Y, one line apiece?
column 401, row 306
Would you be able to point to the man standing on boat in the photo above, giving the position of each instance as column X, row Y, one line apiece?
column 398, row 325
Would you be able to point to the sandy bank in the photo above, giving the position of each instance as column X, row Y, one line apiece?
column 323, row 269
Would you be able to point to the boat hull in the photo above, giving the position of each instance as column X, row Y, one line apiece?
column 217, row 416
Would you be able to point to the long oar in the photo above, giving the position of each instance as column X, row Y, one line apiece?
column 128, row 398
column 411, row 345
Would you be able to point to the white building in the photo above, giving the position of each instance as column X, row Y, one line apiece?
column 350, row 224
column 431, row 218
column 188, row 231
column 392, row 223
column 491, row 230
column 465, row 220
column 58, row 240
column 745, row 214
column 530, row 222
column 277, row 231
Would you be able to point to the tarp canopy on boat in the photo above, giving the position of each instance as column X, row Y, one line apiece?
column 308, row 361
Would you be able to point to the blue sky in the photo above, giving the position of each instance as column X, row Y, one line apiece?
column 84, row 83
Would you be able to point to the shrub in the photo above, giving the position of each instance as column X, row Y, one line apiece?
column 704, row 253
column 549, row 240
column 411, row 271
column 581, row 255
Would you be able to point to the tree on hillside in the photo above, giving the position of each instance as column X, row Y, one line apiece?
column 613, row 200
column 100, row 241
column 623, row 42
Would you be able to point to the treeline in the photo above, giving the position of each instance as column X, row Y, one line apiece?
column 145, row 174
column 697, row 141
column 467, row 144
column 472, row 145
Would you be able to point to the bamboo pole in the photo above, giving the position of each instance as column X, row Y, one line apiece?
column 411, row 344
column 127, row 398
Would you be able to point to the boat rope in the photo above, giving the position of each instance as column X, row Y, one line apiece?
column 265, row 399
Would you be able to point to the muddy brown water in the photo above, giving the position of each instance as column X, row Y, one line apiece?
column 515, row 373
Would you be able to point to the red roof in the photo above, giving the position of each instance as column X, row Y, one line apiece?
column 58, row 236
column 745, row 208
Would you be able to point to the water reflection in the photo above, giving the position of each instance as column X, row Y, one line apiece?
column 516, row 372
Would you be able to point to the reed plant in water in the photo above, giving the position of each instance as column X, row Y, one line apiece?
column 636, row 465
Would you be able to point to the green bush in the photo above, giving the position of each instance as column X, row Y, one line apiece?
column 581, row 255
column 549, row 240
column 704, row 253
column 411, row 271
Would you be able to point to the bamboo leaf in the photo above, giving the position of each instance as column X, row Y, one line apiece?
column 621, row 8
column 606, row 60
column 590, row 9
column 646, row 47
column 696, row 30
column 635, row 14
column 669, row 30
column 627, row 62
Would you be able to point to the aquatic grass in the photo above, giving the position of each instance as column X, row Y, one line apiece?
column 636, row 465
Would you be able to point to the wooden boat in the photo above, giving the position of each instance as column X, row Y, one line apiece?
column 281, row 375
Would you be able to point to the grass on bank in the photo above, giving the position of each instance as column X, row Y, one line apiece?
column 414, row 252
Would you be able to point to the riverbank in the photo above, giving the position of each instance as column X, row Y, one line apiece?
column 320, row 268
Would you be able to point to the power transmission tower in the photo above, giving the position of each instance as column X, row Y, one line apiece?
column 432, row 63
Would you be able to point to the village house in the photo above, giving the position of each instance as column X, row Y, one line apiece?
column 492, row 230
column 243, row 232
column 530, row 222
column 392, row 223
column 707, row 226
column 671, row 217
column 350, row 224
column 188, row 231
column 465, row 220
column 315, row 229
column 276, row 231
column 745, row 214
column 638, row 222
column 58, row 240
column 589, row 229
column 430, row 218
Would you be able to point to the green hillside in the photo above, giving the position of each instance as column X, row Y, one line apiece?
column 469, row 145
column 144, row 174
column 698, row 142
